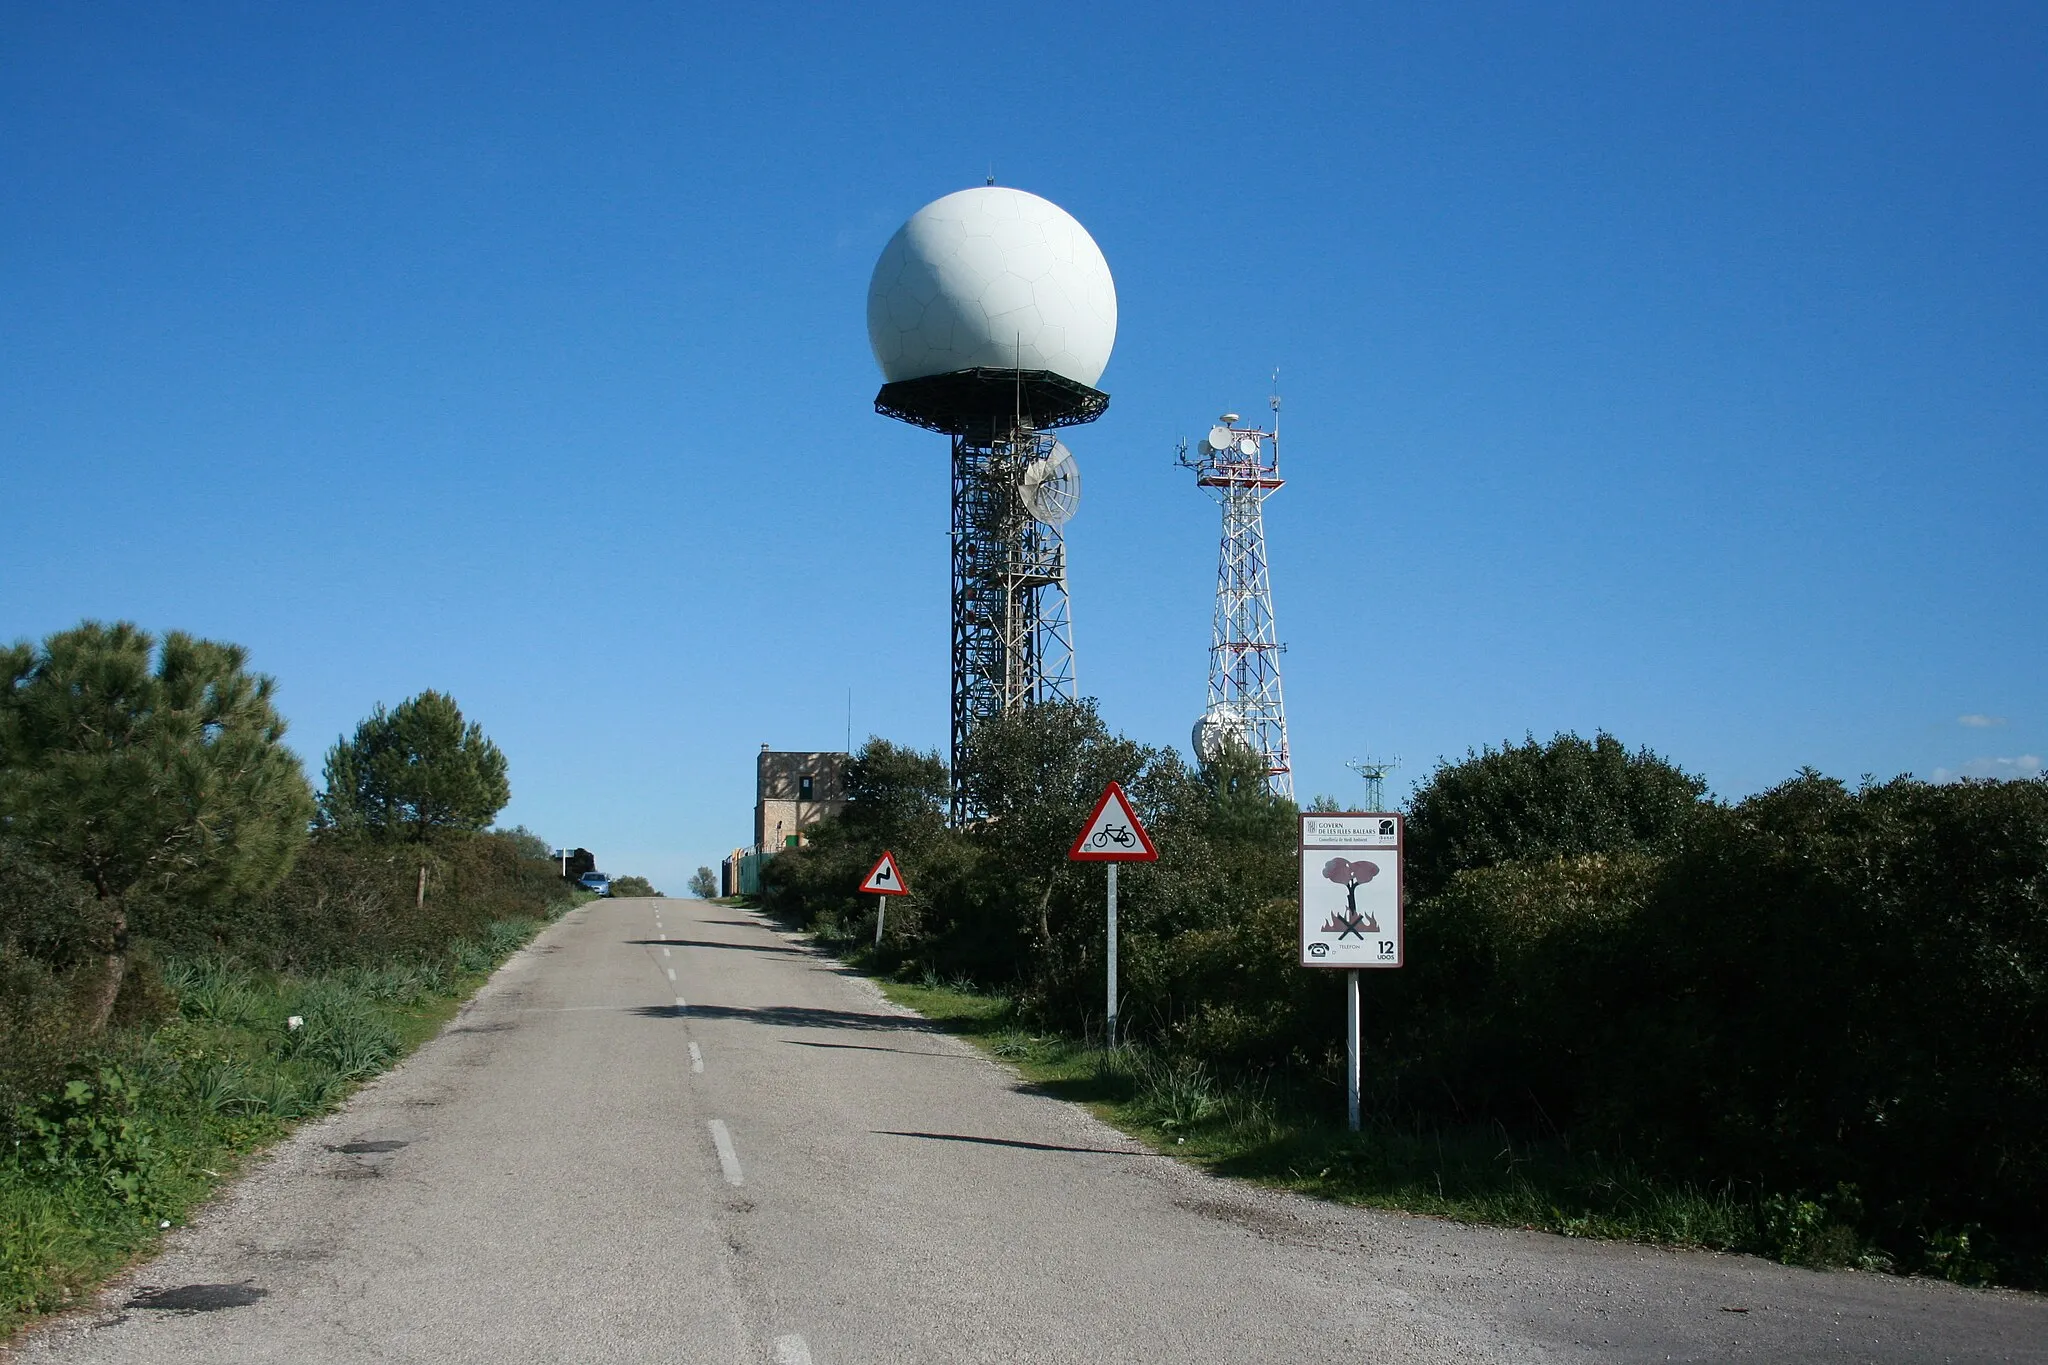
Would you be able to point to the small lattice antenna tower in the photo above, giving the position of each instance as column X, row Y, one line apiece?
column 1374, row 771
column 1239, row 466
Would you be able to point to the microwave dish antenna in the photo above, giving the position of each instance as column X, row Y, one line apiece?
column 1223, row 727
column 1052, row 486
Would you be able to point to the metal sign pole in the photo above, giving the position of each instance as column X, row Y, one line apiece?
column 1110, row 1031
column 1352, row 1045
column 1113, row 834
column 881, row 909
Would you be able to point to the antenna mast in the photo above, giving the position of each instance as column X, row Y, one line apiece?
column 1240, row 467
column 1374, row 771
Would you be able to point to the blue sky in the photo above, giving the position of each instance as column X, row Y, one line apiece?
column 1672, row 370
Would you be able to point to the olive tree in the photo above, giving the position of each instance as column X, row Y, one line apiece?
column 146, row 769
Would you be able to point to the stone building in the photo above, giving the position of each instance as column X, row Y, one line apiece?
column 793, row 790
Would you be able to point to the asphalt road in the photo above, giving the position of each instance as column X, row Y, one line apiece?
column 666, row 1133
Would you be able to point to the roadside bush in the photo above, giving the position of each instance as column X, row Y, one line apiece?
column 354, row 900
column 90, row 1132
column 1830, row 1004
column 51, row 929
column 897, row 801
column 1852, row 987
column 1835, row 999
column 1532, row 802
column 1504, row 1011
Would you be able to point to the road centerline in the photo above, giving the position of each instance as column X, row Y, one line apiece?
column 728, row 1159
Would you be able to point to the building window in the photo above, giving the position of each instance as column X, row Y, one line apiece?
column 804, row 789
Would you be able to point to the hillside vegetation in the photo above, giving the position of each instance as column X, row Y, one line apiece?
column 194, row 953
column 1812, row 1023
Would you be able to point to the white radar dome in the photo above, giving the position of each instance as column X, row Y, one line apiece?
column 992, row 277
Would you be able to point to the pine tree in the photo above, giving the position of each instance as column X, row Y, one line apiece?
column 147, row 771
column 413, row 771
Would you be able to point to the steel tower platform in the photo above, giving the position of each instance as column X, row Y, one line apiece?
column 1013, row 633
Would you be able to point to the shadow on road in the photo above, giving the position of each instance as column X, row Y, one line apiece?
column 793, row 1016
column 1007, row 1142
column 706, row 943
column 869, row 1047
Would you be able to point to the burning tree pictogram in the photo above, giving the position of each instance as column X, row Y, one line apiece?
column 1351, row 874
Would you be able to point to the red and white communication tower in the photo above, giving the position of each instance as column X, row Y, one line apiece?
column 1240, row 466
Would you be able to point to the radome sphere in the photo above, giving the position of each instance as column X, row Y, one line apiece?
column 992, row 277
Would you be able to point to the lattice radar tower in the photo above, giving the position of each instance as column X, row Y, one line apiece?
column 1240, row 467
column 992, row 314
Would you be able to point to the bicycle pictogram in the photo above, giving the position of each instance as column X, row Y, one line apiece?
column 1120, row 835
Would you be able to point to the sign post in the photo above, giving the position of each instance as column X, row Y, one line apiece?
column 1351, row 909
column 884, row 880
column 1113, row 834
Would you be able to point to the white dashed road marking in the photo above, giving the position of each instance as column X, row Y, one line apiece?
column 792, row 1350
column 681, row 1003
column 728, row 1159
column 671, row 973
column 665, row 953
column 696, row 1059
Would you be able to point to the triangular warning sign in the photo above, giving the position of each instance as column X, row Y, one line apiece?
column 885, row 878
column 1113, row 833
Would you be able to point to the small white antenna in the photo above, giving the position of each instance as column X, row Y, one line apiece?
column 1274, row 403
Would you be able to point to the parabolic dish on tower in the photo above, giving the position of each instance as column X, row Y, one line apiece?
column 994, row 278
column 1223, row 727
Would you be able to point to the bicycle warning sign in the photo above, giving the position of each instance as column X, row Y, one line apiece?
column 1351, row 890
column 1113, row 833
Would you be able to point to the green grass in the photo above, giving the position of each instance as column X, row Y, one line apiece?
column 1232, row 1127
column 160, row 1118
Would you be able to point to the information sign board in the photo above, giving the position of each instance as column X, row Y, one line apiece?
column 1351, row 889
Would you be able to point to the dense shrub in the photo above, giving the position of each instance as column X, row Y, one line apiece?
column 1832, row 1004
column 1842, row 986
column 1536, row 801
column 998, row 902
column 1833, row 995
column 1500, row 1013
column 353, row 899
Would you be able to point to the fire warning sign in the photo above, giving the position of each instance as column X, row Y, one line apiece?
column 1351, row 889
